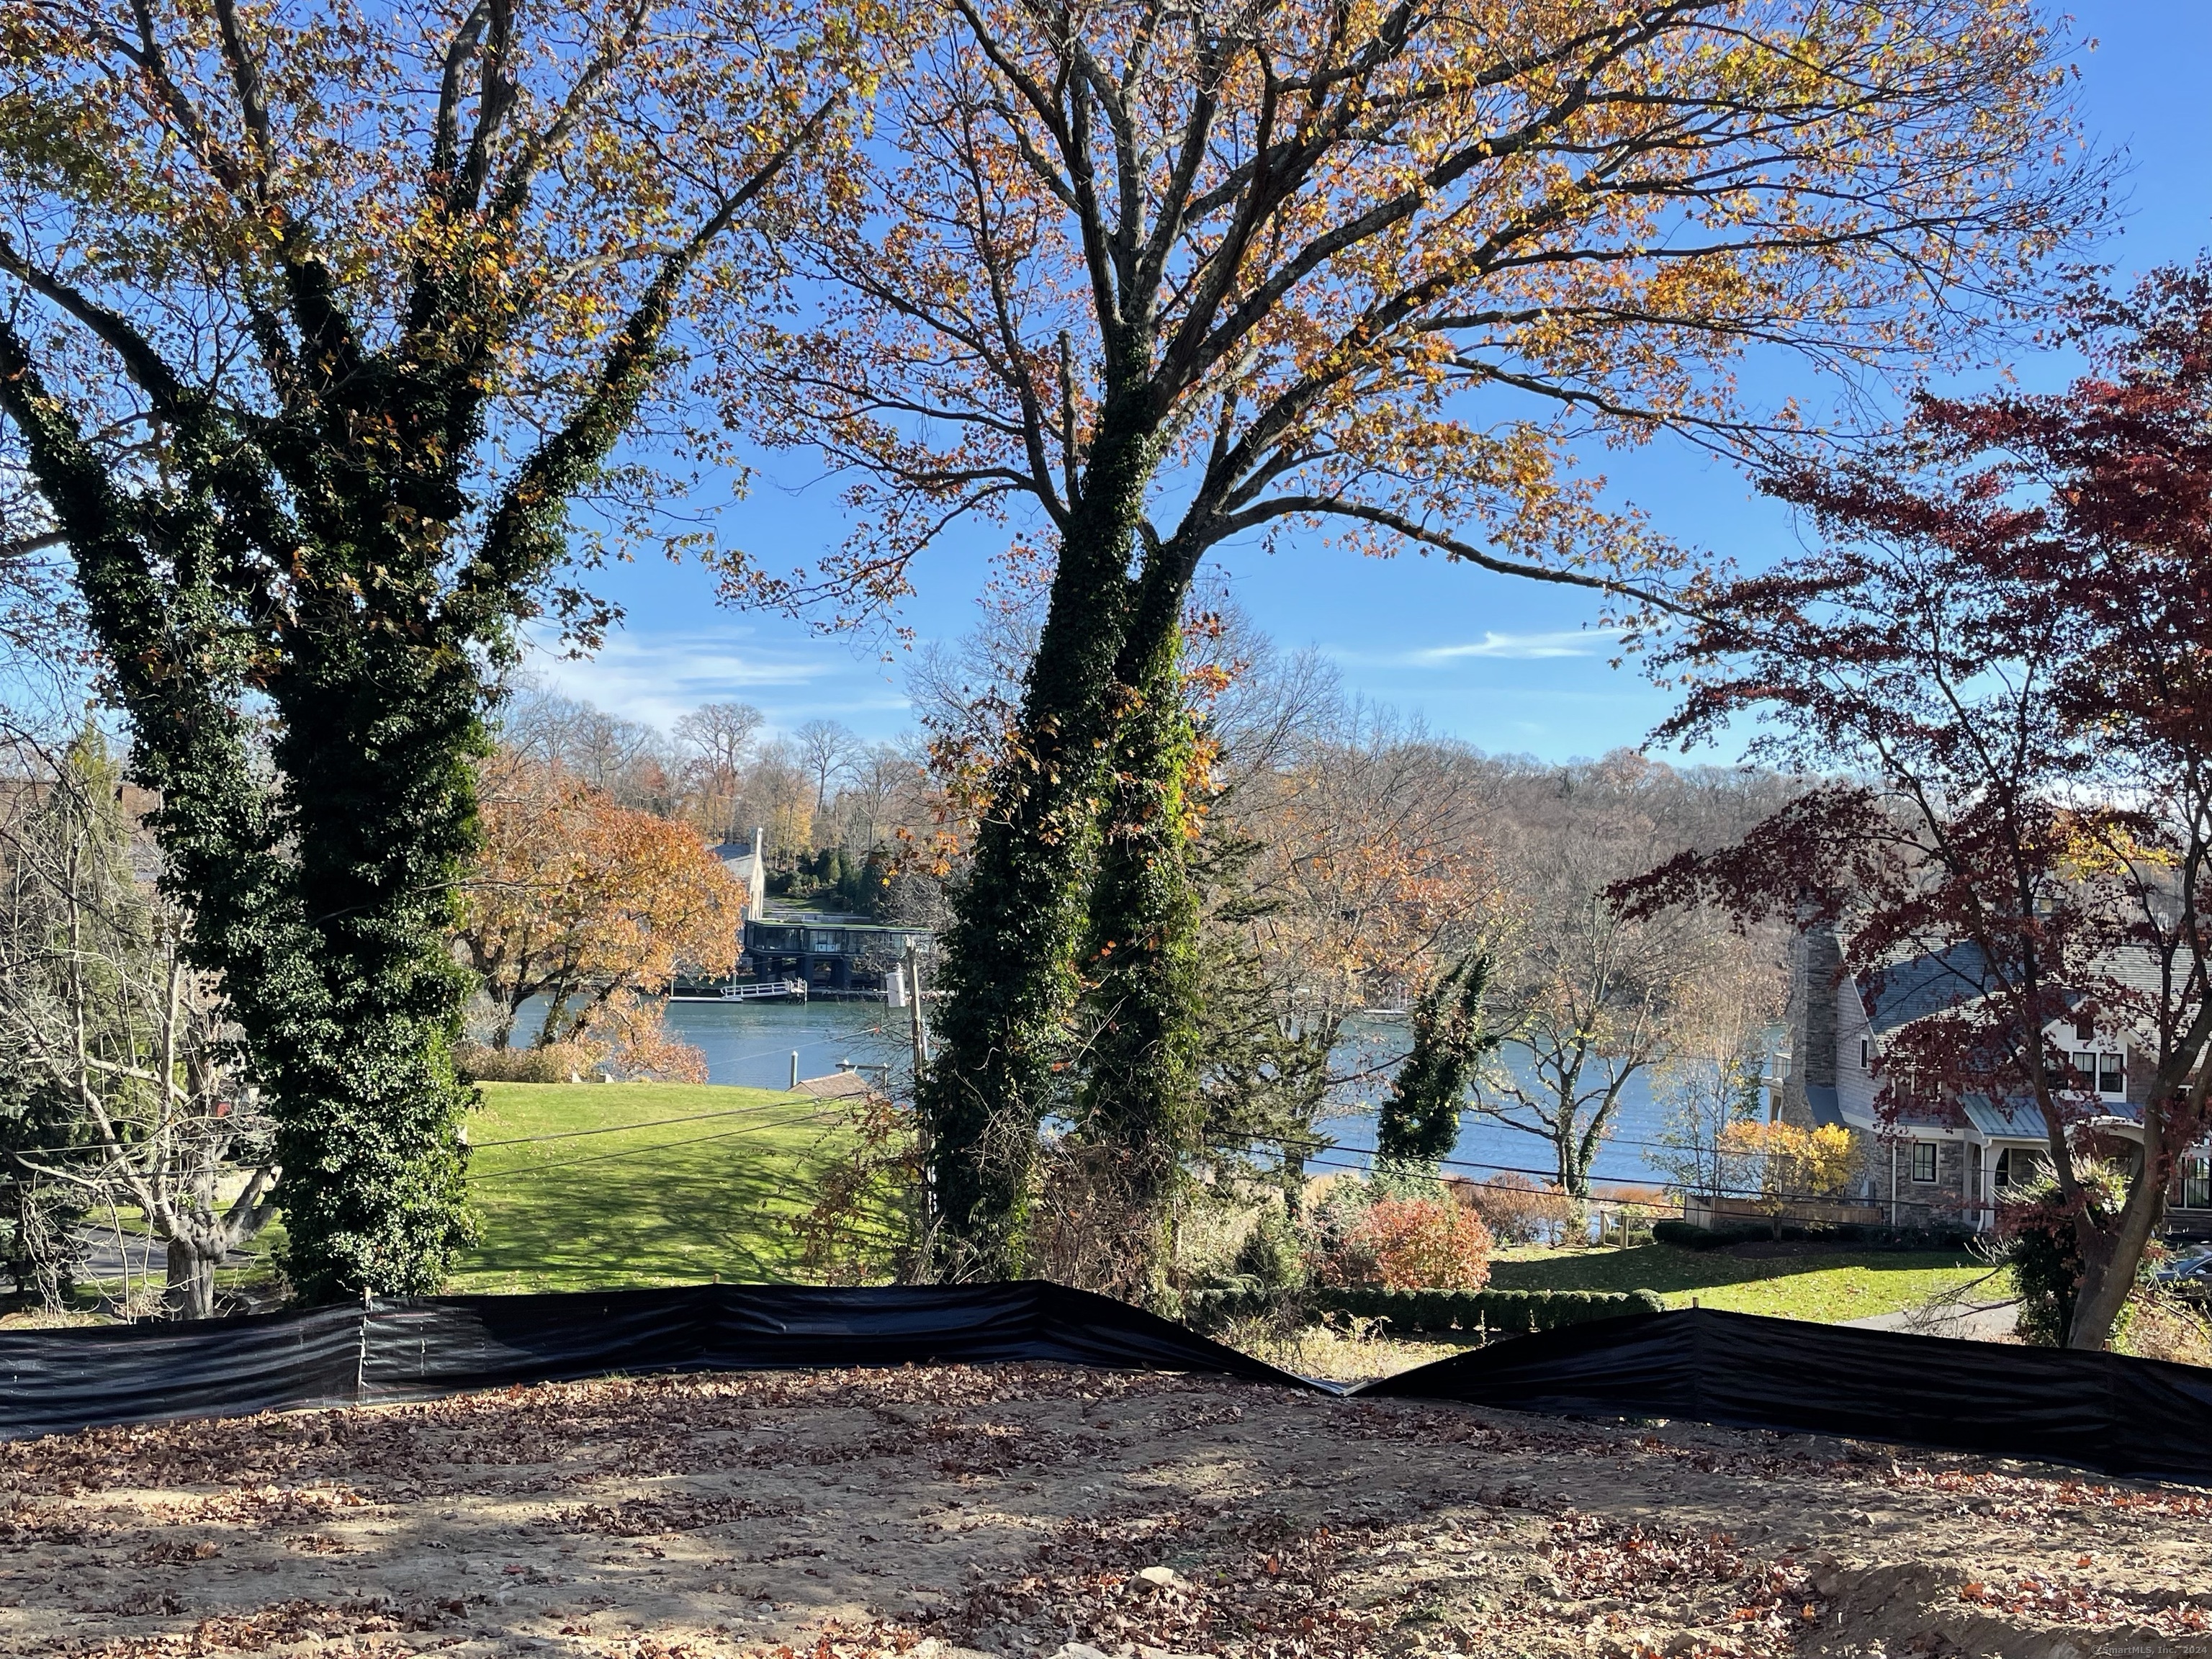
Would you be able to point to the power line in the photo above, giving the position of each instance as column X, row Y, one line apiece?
column 622, row 1128
column 658, row 1147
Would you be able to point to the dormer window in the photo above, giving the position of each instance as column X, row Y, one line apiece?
column 2098, row 1073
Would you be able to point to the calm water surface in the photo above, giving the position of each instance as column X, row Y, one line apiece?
column 751, row 1044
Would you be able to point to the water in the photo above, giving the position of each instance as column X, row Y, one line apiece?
column 1487, row 1147
column 750, row 1044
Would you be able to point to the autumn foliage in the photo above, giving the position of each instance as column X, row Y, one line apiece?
column 1791, row 1164
column 1146, row 282
column 594, row 907
column 1424, row 1244
column 2002, row 650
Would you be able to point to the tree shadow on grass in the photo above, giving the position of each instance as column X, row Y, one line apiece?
column 645, row 1221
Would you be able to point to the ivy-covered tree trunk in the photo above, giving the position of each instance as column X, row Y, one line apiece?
column 1009, row 980
column 324, row 902
column 1138, row 1101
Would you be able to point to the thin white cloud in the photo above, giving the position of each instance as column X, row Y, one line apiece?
column 656, row 677
column 1558, row 642
column 1561, row 642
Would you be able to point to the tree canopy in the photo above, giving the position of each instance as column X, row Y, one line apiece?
column 319, row 318
column 2003, row 644
column 1143, row 281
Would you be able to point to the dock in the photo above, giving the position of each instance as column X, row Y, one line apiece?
column 758, row 990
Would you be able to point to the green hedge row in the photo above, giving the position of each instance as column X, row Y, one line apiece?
column 1404, row 1312
column 1690, row 1236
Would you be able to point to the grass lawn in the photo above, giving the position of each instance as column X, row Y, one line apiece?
column 1806, row 1283
column 641, row 1200
column 648, row 1202
column 636, row 1199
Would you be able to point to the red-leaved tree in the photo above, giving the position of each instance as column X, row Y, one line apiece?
column 2000, row 652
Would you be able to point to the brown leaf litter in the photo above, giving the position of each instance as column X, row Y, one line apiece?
column 1033, row 1512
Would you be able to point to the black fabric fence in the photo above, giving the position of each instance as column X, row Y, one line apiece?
column 2135, row 1417
column 2101, row 1410
column 54, row 1382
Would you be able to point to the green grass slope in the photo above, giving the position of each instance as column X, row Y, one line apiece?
column 639, row 1199
column 1824, row 1286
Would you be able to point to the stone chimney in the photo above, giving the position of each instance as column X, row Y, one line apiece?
column 1816, row 966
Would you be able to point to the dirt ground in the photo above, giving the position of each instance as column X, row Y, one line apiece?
column 1033, row 1512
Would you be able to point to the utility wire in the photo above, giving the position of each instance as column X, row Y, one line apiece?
column 624, row 1128
column 658, row 1147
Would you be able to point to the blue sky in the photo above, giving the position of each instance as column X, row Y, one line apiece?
column 1507, row 666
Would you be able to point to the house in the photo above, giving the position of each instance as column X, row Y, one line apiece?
column 748, row 866
column 1948, row 1163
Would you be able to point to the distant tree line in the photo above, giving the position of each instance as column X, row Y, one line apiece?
column 825, row 798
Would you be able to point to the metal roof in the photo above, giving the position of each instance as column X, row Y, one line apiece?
column 2012, row 1120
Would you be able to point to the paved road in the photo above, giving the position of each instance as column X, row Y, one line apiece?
column 1978, row 1321
column 104, row 1258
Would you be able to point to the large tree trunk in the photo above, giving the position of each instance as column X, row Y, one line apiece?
column 194, row 1254
column 1140, row 1095
column 1008, row 980
column 2111, row 1257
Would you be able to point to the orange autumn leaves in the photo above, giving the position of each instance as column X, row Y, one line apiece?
column 593, row 908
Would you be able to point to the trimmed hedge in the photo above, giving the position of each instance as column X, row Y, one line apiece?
column 1689, row 1237
column 1406, row 1312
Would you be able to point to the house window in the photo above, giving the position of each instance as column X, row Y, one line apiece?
column 2112, row 1074
column 2085, row 1070
column 2197, row 1183
column 1923, row 1160
column 1866, row 1054
column 2017, row 1166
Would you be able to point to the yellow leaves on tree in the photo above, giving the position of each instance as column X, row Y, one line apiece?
column 593, row 908
column 1795, row 1164
column 1379, row 272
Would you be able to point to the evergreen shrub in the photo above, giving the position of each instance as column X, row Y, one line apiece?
column 1409, row 1312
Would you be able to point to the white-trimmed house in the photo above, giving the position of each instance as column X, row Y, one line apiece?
column 1927, row 1167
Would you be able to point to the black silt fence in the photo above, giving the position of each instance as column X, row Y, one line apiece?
column 2106, row 1411
column 2100, row 1411
column 54, row 1381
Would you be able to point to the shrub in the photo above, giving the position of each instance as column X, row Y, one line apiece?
column 2038, row 1241
column 557, row 1062
column 1516, row 1209
column 1688, row 1236
column 1422, row 1243
column 1269, row 1257
column 1330, row 1235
